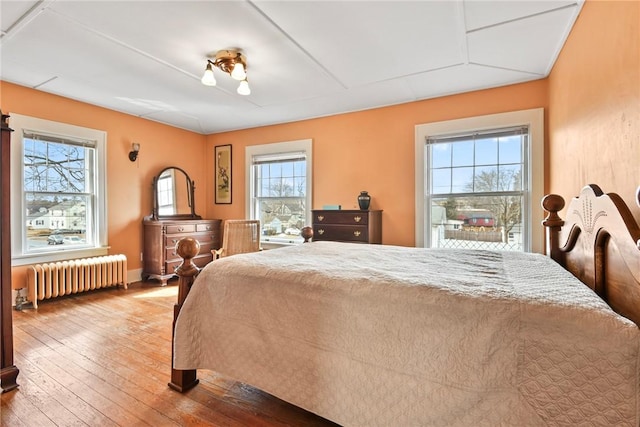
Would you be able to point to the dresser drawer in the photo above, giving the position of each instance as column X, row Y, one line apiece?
column 339, row 217
column 201, row 260
column 206, row 227
column 205, row 248
column 171, row 240
column 181, row 228
column 343, row 233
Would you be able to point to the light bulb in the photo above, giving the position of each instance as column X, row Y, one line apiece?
column 238, row 72
column 208, row 78
column 244, row 89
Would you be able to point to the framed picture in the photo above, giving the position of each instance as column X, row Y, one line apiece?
column 223, row 174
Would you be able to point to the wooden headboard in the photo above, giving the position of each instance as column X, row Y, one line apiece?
column 599, row 242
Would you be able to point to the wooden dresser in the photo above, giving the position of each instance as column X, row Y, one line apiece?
column 347, row 225
column 160, row 237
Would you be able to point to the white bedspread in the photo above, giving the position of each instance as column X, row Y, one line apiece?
column 371, row 335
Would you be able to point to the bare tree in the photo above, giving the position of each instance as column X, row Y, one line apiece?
column 507, row 210
column 54, row 167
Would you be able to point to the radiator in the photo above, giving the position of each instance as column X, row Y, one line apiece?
column 56, row 279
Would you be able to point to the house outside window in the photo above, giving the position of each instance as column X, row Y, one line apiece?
column 58, row 191
column 479, row 182
column 279, row 193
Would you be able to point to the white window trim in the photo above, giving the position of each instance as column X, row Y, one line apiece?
column 305, row 145
column 19, row 123
column 533, row 118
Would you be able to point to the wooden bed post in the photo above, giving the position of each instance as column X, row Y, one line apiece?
column 306, row 233
column 186, row 248
column 553, row 203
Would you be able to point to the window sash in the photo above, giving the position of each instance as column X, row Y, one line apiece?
column 295, row 203
column 90, row 197
column 66, row 203
column 518, row 190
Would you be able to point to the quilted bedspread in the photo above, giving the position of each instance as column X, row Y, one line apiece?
column 371, row 335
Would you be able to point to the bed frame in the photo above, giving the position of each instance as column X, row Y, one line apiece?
column 598, row 242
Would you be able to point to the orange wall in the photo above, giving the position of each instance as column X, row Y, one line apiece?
column 594, row 103
column 129, row 184
column 371, row 150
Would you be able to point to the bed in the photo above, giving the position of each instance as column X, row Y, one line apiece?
column 376, row 335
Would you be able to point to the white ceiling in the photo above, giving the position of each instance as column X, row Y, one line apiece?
column 305, row 58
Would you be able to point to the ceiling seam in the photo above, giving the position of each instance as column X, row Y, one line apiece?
column 533, row 73
column 24, row 19
column 462, row 27
column 522, row 18
column 295, row 43
column 125, row 45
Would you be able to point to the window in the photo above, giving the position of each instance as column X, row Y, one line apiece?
column 58, row 191
column 477, row 181
column 279, row 193
column 475, row 191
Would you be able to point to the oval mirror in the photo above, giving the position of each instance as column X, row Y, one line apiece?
column 173, row 195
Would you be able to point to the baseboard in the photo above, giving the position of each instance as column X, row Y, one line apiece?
column 134, row 275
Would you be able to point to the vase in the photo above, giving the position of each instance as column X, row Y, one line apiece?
column 364, row 200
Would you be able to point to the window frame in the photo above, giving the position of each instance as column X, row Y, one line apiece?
column 297, row 146
column 21, row 124
column 533, row 119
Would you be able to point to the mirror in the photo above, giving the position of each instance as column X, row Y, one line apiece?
column 173, row 195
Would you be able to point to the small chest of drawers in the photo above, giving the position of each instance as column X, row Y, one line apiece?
column 347, row 225
column 160, row 237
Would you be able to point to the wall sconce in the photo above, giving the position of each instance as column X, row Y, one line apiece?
column 231, row 62
column 135, row 149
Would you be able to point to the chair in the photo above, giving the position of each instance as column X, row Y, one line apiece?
column 239, row 236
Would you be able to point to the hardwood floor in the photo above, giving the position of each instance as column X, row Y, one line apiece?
column 103, row 358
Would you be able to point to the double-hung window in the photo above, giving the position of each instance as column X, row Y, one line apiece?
column 479, row 182
column 476, row 189
column 58, row 191
column 279, row 193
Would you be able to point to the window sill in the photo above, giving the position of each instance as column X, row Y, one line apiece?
column 274, row 244
column 61, row 255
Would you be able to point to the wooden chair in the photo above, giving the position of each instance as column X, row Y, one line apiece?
column 239, row 236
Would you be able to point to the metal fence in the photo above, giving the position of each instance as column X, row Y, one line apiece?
column 478, row 244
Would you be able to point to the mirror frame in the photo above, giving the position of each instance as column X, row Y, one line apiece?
column 190, row 194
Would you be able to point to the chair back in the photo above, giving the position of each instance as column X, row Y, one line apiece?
column 240, row 236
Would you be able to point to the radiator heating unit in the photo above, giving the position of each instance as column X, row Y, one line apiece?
column 57, row 279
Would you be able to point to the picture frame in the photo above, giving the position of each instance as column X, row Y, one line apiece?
column 223, row 175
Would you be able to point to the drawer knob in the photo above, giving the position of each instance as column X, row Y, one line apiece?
column 180, row 228
column 356, row 233
column 320, row 231
column 320, row 217
column 174, row 240
column 357, row 218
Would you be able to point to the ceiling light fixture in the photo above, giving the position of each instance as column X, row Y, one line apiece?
column 231, row 62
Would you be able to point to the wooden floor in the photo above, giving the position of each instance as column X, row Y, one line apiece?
column 103, row 359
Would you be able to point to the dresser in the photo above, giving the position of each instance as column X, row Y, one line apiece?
column 347, row 225
column 160, row 237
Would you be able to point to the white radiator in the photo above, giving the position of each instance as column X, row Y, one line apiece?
column 56, row 279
